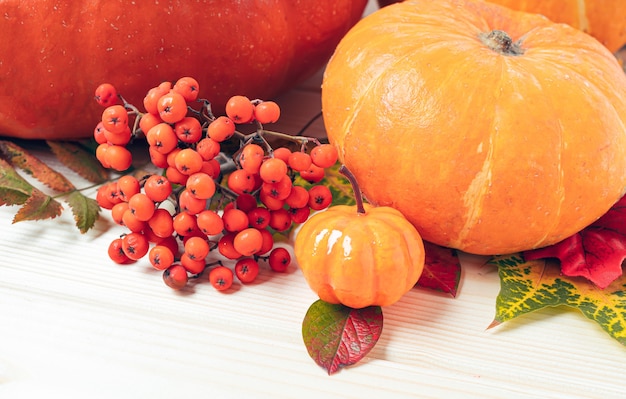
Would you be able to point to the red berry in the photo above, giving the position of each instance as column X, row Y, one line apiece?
column 246, row 270
column 221, row 278
column 175, row 277
column 279, row 259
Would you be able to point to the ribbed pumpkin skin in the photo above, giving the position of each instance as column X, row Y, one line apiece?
column 483, row 152
column 603, row 19
column 54, row 53
column 359, row 260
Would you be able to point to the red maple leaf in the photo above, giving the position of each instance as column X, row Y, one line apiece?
column 442, row 269
column 596, row 252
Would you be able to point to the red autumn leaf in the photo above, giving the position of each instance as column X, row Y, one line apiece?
column 442, row 269
column 32, row 165
column 337, row 336
column 79, row 160
column 39, row 206
column 596, row 253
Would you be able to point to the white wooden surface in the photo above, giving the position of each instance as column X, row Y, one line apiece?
column 75, row 325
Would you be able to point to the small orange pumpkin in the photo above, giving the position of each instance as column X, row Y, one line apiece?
column 603, row 19
column 360, row 255
column 493, row 131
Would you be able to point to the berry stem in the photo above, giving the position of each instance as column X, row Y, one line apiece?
column 358, row 196
column 296, row 139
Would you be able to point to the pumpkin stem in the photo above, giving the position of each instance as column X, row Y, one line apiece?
column 358, row 197
column 500, row 42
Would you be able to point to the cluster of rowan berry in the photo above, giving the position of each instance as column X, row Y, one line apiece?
column 195, row 207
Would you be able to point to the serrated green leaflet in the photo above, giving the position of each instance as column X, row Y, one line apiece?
column 14, row 190
column 85, row 210
column 529, row 286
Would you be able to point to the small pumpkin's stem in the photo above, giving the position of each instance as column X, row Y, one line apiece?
column 358, row 197
column 500, row 42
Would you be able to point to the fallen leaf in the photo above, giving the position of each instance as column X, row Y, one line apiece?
column 14, row 190
column 596, row 252
column 85, row 210
column 79, row 160
column 19, row 157
column 527, row 286
column 337, row 336
column 442, row 269
column 38, row 206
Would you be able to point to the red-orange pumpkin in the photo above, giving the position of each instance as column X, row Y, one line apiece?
column 53, row 54
column 485, row 145
column 603, row 19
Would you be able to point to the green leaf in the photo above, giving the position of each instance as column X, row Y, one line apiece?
column 39, row 206
column 14, row 189
column 338, row 184
column 337, row 336
column 79, row 160
column 19, row 157
column 85, row 210
column 529, row 286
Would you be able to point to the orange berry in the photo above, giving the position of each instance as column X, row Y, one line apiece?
column 115, row 118
column 210, row 223
column 299, row 161
column 185, row 223
column 127, row 186
column 161, row 223
column 226, row 247
column 324, row 155
column 267, row 112
column 135, row 245
column 282, row 153
column 175, row 277
column 240, row 109
column 172, row 107
column 188, row 161
column 118, row 157
column 148, row 121
column 141, row 206
column 273, row 170
column 240, row 181
column 161, row 257
column 221, row 129
column 106, row 95
column 235, row 219
column 251, row 158
column 157, row 188
column 208, row 148
column 188, row 130
column 221, row 278
column 152, row 97
column 248, row 241
column 188, row 87
column 196, row 247
column 190, row 203
column 162, row 137
column 201, row 185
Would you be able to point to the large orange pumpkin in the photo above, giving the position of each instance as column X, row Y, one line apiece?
column 603, row 19
column 53, row 54
column 485, row 144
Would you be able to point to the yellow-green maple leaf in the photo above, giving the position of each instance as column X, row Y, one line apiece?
column 529, row 286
